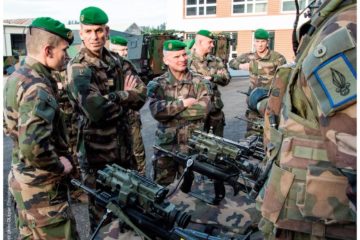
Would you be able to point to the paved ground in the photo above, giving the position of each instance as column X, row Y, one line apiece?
column 234, row 130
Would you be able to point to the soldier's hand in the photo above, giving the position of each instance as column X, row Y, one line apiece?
column 244, row 66
column 130, row 82
column 221, row 72
column 189, row 101
column 67, row 165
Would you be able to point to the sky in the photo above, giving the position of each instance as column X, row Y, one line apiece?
column 120, row 12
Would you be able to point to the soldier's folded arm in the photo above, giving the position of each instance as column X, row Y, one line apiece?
column 222, row 76
column 200, row 109
column 163, row 110
column 35, row 128
column 136, row 97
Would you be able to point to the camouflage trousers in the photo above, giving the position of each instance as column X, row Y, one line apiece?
column 216, row 121
column 166, row 169
column 138, row 145
column 42, row 214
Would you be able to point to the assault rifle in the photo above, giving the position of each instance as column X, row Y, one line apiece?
column 256, row 125
column 140, row 203
column 219, row 159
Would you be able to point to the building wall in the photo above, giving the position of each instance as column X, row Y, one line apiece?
column 243, row 24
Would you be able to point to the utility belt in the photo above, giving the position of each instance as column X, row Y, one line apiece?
column 339, row 231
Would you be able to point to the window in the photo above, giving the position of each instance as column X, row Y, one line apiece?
column 249, row 6
column 18, row 44
column 200, row 8
column 289, row 5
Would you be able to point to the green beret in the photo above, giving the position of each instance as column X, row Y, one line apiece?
column 118, row 40
column 93, row 16
column 261, row 34
column 174, row 45
column 206, row 33
column 53, row 26
column 191, row 43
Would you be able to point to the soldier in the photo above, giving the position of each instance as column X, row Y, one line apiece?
column 311, row 190
column 40, row 159
column 214, row 70
column 119, row 45
column 261, row 70
column 179, row 101
column 102, row 87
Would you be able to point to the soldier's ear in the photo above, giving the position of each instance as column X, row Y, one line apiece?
column 107, row 29
column 48, row 51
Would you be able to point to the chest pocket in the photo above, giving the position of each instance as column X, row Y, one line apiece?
column 46, row 106
column 330, row 71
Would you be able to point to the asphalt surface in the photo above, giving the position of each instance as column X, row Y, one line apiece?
column 234, row 130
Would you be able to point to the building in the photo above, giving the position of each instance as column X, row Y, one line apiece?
column 238, row 18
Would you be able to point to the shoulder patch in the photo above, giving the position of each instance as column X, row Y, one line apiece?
column 336, row 86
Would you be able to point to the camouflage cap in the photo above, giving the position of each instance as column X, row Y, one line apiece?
column 118, row 40
column 53, row 26
column 206, row 33
column 261, row 34
column 174, row 45
column 93, row 16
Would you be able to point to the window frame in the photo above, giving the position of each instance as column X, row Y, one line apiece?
column 291, row 11
column 245, row 3
column 197, row 6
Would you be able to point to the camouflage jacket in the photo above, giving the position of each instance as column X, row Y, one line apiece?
column 209, row 66
column 262, row 69
column 315, row 146
column 102, row 119
column 241, row 59
column 176, row 122
column 32, row 119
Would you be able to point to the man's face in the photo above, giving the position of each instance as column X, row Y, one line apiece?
column 206, row 44
column 57, row 56
column 261, row 45
column 176, row 60
column 94, row 36
column 121, row 50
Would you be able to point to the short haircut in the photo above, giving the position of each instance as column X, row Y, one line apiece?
column 37, row 38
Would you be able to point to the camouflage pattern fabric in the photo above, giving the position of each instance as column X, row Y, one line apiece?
column 70, row 119
column 136, row 140
column 234, row 216
column 103, row 123
column 175, row 122
column 307, row 193
column 214, row 68
column 262, row 69
column 241, row 59
column 36, row 180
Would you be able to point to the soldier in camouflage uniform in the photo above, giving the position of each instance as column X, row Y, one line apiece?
column 102, row 87
column 214, row 70
column 311, row 190
column 119, row 46
column 261, row 71
column 179, row 101
column 40, row 159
